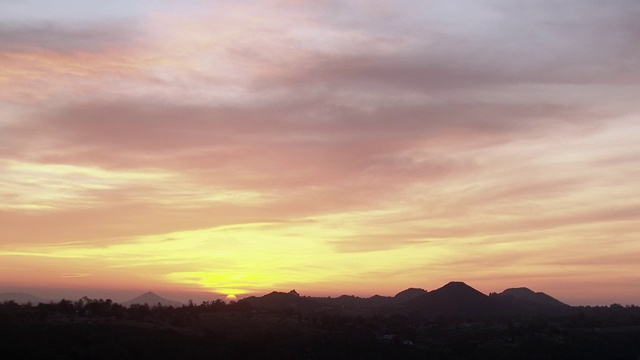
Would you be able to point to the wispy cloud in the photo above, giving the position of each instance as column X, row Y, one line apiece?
column 52, row 38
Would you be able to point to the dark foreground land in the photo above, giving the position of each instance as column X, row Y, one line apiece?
column 100, row 329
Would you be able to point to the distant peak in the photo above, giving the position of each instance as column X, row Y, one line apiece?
column 411, row 292
column 518, row 290
column 458, row 288
column 152, row 298
column 293, row 292
column 532, row 296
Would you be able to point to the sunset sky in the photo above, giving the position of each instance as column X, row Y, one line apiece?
column 332, row 147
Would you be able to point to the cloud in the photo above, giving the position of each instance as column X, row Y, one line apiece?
column 65, row 39
column 456, row 135
column 136, row 130
column 466, row 46
column 139, row 162
column 47, row 61
column 74, row 275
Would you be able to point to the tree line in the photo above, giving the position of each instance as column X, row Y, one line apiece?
column 87, row 308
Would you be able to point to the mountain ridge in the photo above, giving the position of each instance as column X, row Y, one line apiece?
column 524, row 294
column 454, row 298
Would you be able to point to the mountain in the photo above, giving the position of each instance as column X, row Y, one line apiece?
column 343, row 301
column 281, row 301
column 151, row 299
column 455, row 298
column 373, row 302
column 22, row 298
column 351, row 302
column 523, row 294
column 408, row 294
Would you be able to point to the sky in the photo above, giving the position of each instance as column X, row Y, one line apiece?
column 332, row 147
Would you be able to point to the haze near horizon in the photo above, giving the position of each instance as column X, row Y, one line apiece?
column 332, row 147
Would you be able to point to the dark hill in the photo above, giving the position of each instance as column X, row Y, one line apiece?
column 526, row 297
column 455, row 298
column 355, row 302
column 408, row 295
column 281, row 301
column 457, row 290
column 342, row 301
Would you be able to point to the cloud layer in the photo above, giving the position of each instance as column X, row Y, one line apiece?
column 210, row 145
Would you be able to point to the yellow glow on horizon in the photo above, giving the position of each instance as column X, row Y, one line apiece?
column 224, row 283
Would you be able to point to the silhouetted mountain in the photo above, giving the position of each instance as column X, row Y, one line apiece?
column 99, row 329
column 457, row 289
column 151, row 299
column 408, row 294
column 281, row 301
column 343, row 301
column 455, row 298
column 22, row 298
column 355, row 302
column 525, row 295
